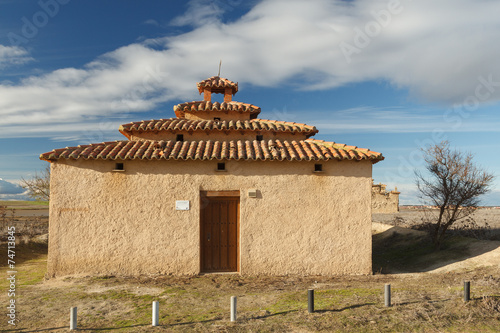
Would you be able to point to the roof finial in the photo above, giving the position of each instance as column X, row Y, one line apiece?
column 220, row 64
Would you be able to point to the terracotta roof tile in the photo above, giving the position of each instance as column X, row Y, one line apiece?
column 205, row 106
column 307, row 150
column 176, row 124
column 217, row 85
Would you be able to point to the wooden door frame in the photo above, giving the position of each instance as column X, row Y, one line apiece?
column 220, row 194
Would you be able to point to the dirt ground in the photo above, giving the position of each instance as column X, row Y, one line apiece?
column 427, row 292
column 29, row 223
column 31, row 212
column 421, row 302
column 482, row 227
column 485, row 221
column 482, row 216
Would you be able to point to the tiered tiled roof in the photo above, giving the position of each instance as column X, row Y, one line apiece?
column 307, row 150
column 206, row 106
column 281, row 149
column 179, row 124
column 217, row 85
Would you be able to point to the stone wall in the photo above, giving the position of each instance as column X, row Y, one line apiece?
column 125, row 223
column 384, row 201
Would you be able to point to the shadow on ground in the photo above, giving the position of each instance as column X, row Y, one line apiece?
column 401, row 250
column 24, row 252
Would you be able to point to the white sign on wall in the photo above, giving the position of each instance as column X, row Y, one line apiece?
column 182, row 205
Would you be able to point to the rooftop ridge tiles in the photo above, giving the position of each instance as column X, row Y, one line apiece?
column 192, row 124
column 287, row 122
column 366, row 151
column 217, row 82
column 209, row 106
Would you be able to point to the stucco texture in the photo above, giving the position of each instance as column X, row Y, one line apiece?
column 222, row 115
column 218, row 136
column 125, row 223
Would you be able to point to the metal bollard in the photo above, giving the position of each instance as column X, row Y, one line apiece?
column 233, row 308
column 387, row 295
column 72, row 318
column 466, row 291
column 310, row 300
column 156, row 313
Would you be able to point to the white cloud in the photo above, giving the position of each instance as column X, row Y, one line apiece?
column 199, row 13
column 8, row 188
column 445, row 52
column 152, row 22
column 368, row 119
column 398, row 120
column 13, row 55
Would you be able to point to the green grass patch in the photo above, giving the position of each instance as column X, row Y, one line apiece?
column 14, row 203
column 24, row 204
column 34, row 274
column 348, row 292
column 174, row 291
column 30, row 263
column 288, row 302
column 422, row 302
column 24, row 252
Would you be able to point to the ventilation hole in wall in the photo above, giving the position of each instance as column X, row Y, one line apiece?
column 260, row 137
column 179, row 137
column 119, row 166
column 318, row 167
column 221, row 166
column 216, row 120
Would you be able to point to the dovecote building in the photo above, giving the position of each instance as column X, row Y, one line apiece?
column 214, row 189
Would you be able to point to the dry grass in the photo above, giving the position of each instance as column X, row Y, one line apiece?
column 422, row 302
column 35, row 223
column 18, row 204
column 484, row 223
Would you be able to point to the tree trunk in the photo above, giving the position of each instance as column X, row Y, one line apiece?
column 436, row 237
column 437, row 245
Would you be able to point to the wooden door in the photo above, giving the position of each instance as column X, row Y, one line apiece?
column 219, row 234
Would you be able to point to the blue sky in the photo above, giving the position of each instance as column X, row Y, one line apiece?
column 389, row 75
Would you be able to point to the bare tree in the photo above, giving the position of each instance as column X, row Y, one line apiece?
column 453, row 183
column 39, row 185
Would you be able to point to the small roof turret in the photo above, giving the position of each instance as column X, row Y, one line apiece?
column 217, row 85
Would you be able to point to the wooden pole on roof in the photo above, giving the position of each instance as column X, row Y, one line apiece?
column 220, row 64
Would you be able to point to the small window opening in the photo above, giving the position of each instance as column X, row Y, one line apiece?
column 219, row 98
column 221, row 166
column 260, row 137
column 179, row 137
column 318, row 167
column 119, row 166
